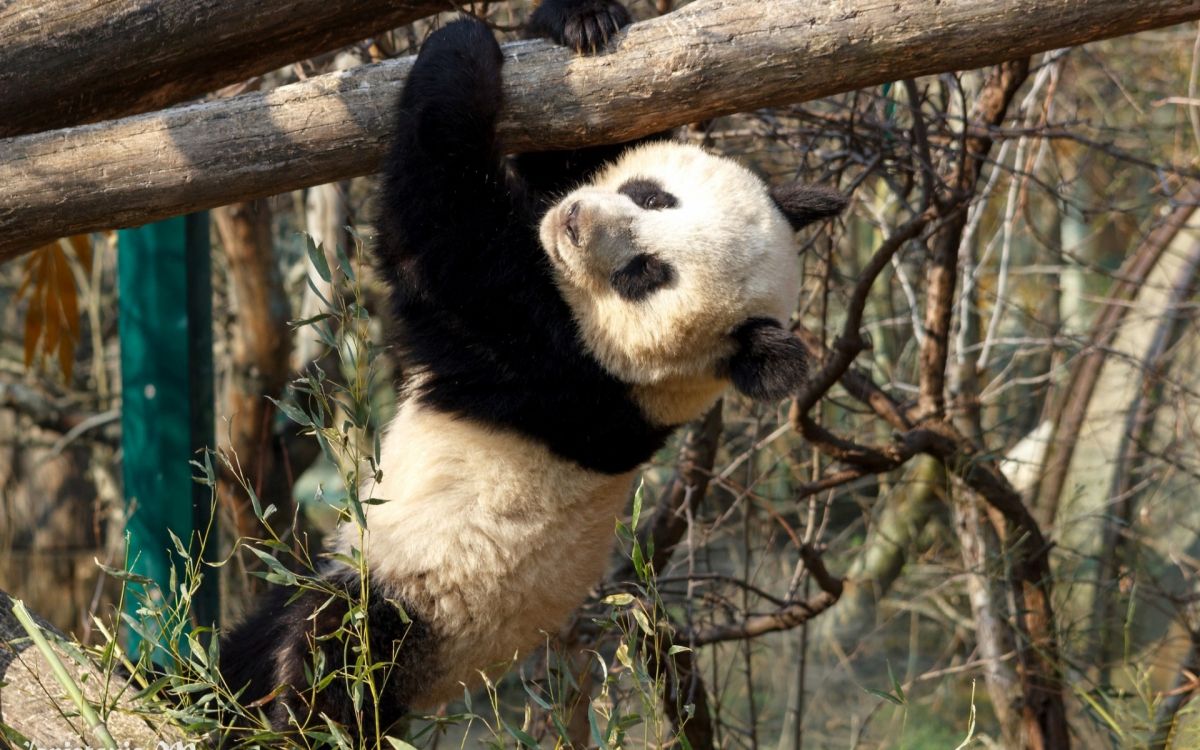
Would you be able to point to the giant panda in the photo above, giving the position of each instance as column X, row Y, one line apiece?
column 558, row 315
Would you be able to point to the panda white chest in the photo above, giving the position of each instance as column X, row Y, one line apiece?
column 493, row 538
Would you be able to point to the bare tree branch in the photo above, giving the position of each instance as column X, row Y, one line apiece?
column 989, row 110
column 785, row 618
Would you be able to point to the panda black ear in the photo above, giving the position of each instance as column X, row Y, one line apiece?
column 770, row 363
column 803, row 204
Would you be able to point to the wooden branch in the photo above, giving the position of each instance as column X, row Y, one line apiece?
column 989, row 109
column 67, row 62
column 711, row 57
column 785, row 618
column 850, row 343
column 36, row 704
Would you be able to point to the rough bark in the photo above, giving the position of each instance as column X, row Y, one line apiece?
column 34, row 703
column 67, row 62
column 709, row 58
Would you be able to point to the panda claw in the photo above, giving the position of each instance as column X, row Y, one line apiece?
column 585, row 26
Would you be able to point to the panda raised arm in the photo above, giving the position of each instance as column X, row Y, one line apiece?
column 550, row 346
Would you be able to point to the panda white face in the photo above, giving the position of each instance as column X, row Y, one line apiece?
column 664, row 254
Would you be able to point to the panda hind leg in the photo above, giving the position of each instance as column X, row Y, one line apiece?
column 282, row 648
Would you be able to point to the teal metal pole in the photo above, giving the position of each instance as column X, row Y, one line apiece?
column 165, row 316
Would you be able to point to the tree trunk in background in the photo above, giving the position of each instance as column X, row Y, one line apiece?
column 48, row 549
column 1117, row 550
column 1068, row 418
column 893, row 536
column 984, row 558
column 1075, row 241
column 703, row 60
column 261, row 343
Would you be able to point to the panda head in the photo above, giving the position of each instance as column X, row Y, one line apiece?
column 680, row 269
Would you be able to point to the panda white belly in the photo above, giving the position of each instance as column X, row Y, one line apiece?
column 490, row 536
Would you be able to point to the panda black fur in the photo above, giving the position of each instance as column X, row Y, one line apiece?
column 552, row 343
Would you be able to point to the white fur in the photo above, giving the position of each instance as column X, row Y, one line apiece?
column 733, row 250
column 492, row 537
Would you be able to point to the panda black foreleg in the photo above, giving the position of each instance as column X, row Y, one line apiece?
column 444, row 195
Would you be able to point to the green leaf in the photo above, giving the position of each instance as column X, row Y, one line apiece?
column 316, row 254
column 309, row 321
column 594, row 725
column 325, row 332
column 561, row 728
column 14, row 738
column 344, row 262
column 639, row 563
column 293, row 412
column 622, row 655
column 124, row 575
column 521, row 737
column 637, row 505
column 313, row 287
column 618, row 600
column 897, row 688
column 643, row 621
column 278, row 574
column 182, row 550
column 885, row 695
column 399, row 744
column 535, row 697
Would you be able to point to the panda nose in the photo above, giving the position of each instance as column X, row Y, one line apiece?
column 571, row 223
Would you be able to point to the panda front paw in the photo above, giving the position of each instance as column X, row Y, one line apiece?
column 459, row 63
column 582, row 25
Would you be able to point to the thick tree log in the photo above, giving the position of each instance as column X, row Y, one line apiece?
column 67, row 62
column 710, row 58
column 35, row 703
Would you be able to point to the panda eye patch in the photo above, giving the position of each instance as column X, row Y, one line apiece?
column 639, row 277
column 648, row 194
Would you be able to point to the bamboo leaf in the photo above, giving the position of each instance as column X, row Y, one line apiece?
column 316, row 254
